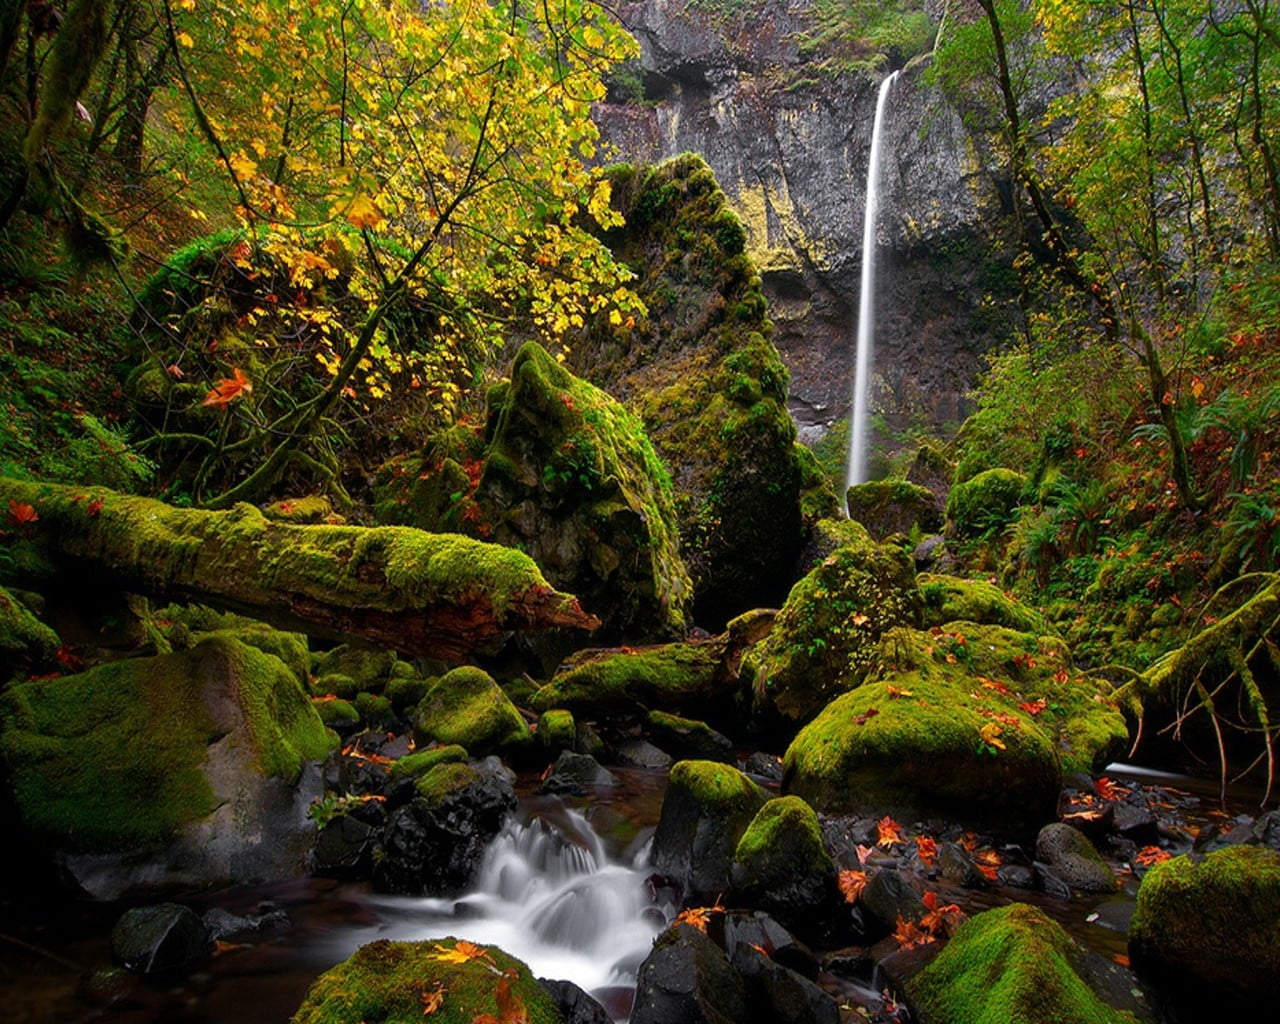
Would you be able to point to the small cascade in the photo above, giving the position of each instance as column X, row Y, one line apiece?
column 866, row 300
column 550, row 895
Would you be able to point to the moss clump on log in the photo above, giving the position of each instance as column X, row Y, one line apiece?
column 437, row 595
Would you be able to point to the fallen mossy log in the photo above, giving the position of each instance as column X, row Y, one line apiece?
column 1229, row 670
column 422, row 594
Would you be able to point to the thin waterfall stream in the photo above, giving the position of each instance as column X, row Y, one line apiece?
column 857, row 472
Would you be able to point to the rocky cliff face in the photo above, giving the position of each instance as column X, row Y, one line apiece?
column 786, row 126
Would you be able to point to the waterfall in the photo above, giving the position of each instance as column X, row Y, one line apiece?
column 866, row 300
column 551, row 895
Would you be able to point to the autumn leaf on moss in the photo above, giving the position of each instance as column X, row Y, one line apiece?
column 990, row 735
column 228, row 389
column 511, row 1009
column 991, row 684
column 462, row 952
column 21, row 514
column 889, row 831
column 851, row 884
column 432, row 999
column 1034, row 707
column 894, row 691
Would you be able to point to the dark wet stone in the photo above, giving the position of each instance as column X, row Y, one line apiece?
column 1072, row 858
column 635, row 753
column 165, row 939
column 756, row 928
column 1050, row 883
column 887, row 898
column 1017, row 876
column 957, row 867
column 1135, row 822
column 779, row 995
column 575, row 1005
column 572, row 772
column 764, row 766
column 1266, row 830
column 222, row 924
column 344, row 848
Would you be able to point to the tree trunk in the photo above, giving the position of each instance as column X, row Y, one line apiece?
column 422, row 594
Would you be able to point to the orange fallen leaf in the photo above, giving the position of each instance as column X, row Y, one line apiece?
column 940, row 917
column 859, row 619
column 462, row 952
column 991, row 684
column 698, row 917
column 432, row 1000
column 228, row 389
column 511, row 1008
column 851, row 884
column 894, row 691
column 1108, row 790
column 890, row 831
column 1149, row 855
column 1034, row 707
column 926, row 849
column 863, row 852
column 908, row 936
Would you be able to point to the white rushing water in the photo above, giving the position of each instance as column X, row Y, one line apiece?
column 550, row 895
column 866, row 299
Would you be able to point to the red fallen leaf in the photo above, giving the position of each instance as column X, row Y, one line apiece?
column 94, row 508
column 941, row 917
column 175, row 371
column 1034, row 707
column 1108, row 790
column 969, row 841
column 511, row 1008
column 761, row 950
column 1060, row 677
column 991, row 684
column 926, row 849
column 866, row 715
column 21, row 514
column 228, row 389
column 989, row 872
column 890, row 831
column 68, row 659
column 1149, row 855
column 1024, row 661
column 863, row 853
column 851, row 884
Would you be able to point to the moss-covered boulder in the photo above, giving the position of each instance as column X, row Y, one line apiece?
column 25, row 641
column 670, row 676
column 688, row 737
column 707, row 808
column 193, row 767
column 417, row 764
column 985, row 503
column 466, row 707
column 702, row 372
column 1209, row 929
column 1012, row 965
column 952, row 599
column 885, row 507
column 565, row 473
column 826, row 536
column 391, row 982
column 969, row 720
column 368, row 668
column 828, row 632
column 557, row 730
column 780, row 864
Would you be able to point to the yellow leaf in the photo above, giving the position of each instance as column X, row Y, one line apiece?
column 185, row 40
column 990, row 733
column 462, row 952
column 362, row 213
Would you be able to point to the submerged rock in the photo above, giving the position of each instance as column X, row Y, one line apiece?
column 1008, row 965
column 707, row 808
column 189, row 768
column 166, row 939
column 1072, row 858
column 392, row 982
column 1208, row 930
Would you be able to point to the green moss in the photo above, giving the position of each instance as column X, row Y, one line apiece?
column 667, row 727
column 375, row 711
column 912, row 735
column 950, row 598
column 985, row 504
column 385, row 982
column 785, row 833
column 1012, row 965
column 443, row 779
column 335, row 712
column 310, row 510
column 22, row 635
column 112, row 758
column 828, row 631
column 885, row 507
column 468, row 708
column 712, row 784
column 367, row 667
column 419, row 763
column 406, row 692
column 1233, row 898
column 666, row 676
column 291, row 648
column 557, row 730
column 335, row 684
